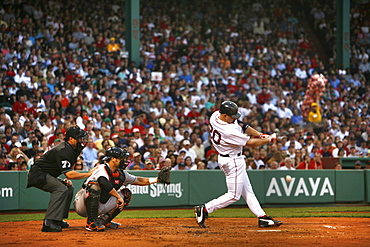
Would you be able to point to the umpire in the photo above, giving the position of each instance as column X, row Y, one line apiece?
column 44, row 176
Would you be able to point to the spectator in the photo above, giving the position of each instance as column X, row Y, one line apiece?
column 358, row 165
column 188, row 151
column 316, row 162
column 305, row 164
column 189, row 164
column 325, row 150
column 338, row 166
column 273, row 166
column 100, row 76
column 353, row 152
column 89, row 154
column 20, row 106
column 163, row 163
column 148, row 165
column 136, row 161
column 182, row 167
column 288, row 164
column 199, row 148
column 201, row 165
column 3, row 162
column 257, row 159
column 249, row 163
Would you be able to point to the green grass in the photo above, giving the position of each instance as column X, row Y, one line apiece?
column 320, row 211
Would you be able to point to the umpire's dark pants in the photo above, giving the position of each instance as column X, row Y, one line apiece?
column 60, row 198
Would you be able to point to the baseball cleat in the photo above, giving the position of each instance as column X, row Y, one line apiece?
column 51, row 226
column 112, row 225
column 267, row 221
column 201, row 215
column 95, row 226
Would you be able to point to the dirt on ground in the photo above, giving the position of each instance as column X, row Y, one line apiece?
column 325, row 231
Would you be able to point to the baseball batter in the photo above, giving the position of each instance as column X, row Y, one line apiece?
column 228, row 138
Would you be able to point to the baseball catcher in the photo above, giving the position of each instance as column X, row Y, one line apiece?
column 102, row 198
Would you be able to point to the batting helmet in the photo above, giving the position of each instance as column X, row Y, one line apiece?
column 230, row 108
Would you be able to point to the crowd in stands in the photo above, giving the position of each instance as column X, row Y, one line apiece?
column 63, row 63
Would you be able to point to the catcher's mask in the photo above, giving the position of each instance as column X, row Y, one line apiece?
column 79, row 134
column 118, row 153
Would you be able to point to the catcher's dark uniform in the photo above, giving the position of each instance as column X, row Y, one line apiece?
column 44, row 175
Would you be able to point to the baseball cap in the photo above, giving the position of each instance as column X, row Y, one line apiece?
column 356, row 163
column 186, row 142
column 148, row 161
column 121, row 129
column 114, row 136
column 18, row 144
column 135, row 130
column 136, row 154
column 161, row 160
column 19, row 156
column 314, row 104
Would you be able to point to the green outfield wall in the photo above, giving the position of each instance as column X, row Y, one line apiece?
column 190, row 188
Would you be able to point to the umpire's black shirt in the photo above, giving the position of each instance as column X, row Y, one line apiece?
column 58, row 160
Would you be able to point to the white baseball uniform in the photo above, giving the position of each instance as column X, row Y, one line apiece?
column 228, row 140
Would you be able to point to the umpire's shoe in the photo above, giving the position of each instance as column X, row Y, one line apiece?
column 267, row 221
column 201, row 215
column 63, row 224
column 98, row 226
column 51, row 226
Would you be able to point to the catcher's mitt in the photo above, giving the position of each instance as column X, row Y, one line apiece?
column 164, row 175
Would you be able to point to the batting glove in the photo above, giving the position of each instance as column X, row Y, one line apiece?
column 263, row 136
column 272, row 138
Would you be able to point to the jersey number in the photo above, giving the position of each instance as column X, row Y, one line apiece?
column 66, row 164
column 215, row 135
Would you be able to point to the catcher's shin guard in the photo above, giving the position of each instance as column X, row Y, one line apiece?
column 108, row 217
column 92, row 200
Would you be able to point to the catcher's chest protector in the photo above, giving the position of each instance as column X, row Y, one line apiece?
column 115, row 178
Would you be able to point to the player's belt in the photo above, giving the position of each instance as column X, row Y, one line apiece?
column 227, row 155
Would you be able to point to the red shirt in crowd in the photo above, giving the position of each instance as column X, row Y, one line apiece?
column 19, row 107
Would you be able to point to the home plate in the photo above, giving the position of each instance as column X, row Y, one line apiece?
column 332, row 227
column 265, row 230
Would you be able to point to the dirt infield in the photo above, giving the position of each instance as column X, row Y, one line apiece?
column 327, row 231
